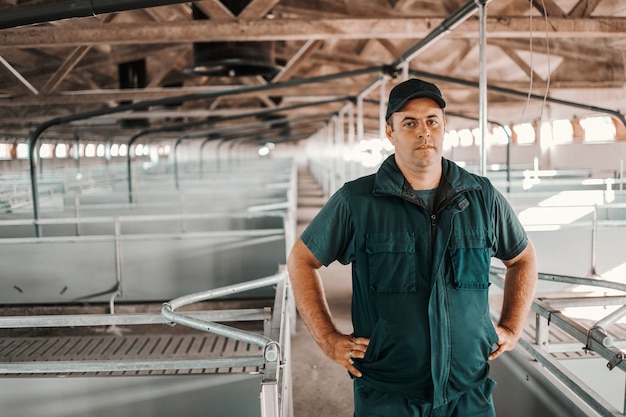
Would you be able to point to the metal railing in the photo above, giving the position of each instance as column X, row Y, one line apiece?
column 273, row 362
column 275, row 390
column 590, row 338
column 269, row 347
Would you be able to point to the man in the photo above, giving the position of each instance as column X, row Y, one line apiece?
column 420, row 234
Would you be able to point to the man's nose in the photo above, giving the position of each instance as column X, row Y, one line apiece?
column 421, row 130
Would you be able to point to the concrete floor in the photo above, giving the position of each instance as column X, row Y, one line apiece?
column 320, row 386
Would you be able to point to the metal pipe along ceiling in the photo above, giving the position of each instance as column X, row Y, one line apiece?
column 78, row 8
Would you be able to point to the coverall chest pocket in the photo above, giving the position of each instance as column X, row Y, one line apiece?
column 470, row 254
column 391, row 261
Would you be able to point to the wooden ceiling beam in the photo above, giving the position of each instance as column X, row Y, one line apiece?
column 592, row 52
column 398, row 6
column 548, row 8
column 288, row 29
column 99, row 96
column 70, row 62
column 303, row 54
column 292, row 94
column 37, row 74
column 583, row 8
column 175, row 62
column 263, row 98
column 461, row 54
column 22, row 82
column 530, row 72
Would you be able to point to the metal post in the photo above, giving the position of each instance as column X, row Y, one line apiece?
column 360, row 126
column 118, row 259
column 482, row 80
column 405, row 71
column 541, row 332
column 332, row 169
column 624, row 405
column 77, row 139
column 341, row 141
column 621, row 175
column 594, row 240
column 382, row 109
column 351, row 132
column 183, row 221
column 328, row 182
column 269, row 399
column 77, row 213
column 508, row 160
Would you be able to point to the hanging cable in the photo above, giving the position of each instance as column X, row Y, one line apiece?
column 91, row 7
column 545, row 96
column 530, row 49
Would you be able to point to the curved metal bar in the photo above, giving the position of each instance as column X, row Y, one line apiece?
column 143, row 105
column 133, row 139
column 168, row 308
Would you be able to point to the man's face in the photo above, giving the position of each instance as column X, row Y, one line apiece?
column 416, row 132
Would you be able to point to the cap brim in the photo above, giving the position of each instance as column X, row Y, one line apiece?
column 396, row 106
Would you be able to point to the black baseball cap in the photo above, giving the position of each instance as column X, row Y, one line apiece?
column 410, row 89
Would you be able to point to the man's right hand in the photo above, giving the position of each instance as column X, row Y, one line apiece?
column 343, row 349
column 313, row 307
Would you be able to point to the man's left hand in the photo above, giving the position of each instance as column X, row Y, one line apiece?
column 506, row 341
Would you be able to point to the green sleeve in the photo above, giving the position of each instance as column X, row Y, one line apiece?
column 511, row 238
column 330, row 235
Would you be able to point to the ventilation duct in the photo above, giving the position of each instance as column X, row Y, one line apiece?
column 232, row 59
column 132, row 75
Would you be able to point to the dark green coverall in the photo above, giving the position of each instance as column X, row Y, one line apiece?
column 420, row 286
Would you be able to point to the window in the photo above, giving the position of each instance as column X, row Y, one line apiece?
column 77, row 150
column 22, row 151
column 90, row 150
column 60, row 151
column 525, row 133
column 45, row 150
column 598, row 129
column 451, row 139
column 466, row 137
column 500, row 135
column 5, row 150
column 164, row 150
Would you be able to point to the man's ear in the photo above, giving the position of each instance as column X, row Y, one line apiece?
column 389, row 128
